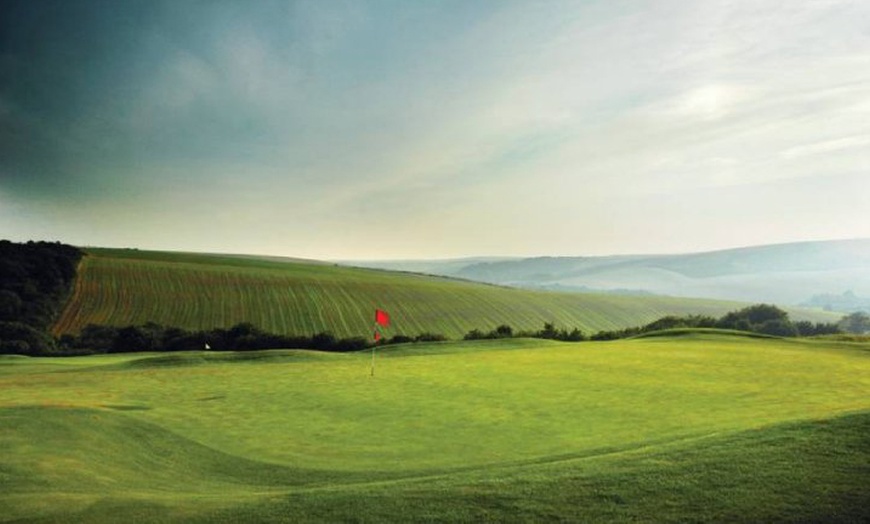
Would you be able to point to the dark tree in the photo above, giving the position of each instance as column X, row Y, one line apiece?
column 759, row 318
column 10, row 305
column 504, row 331
column 19, row 338
column 35, row 280
column 858, row 322
column 100, row 339
column 131, row 339
column 323, row 341
column 549, row 332
column 574, row 336
column 777, row 327
column 475, row 334
column 430, row 337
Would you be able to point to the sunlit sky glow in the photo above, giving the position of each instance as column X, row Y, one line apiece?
column 406, row 129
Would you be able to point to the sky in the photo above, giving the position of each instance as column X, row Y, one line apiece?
column 400, row 129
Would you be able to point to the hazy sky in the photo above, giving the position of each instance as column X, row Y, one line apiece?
column 414, row 129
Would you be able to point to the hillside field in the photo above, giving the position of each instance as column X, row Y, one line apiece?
column 703, row 427
column 195, row 291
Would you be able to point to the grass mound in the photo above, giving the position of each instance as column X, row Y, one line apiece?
column 795, row 472
column 783, row 473
column 196, row 358
column 702, row 332
column 845, row 337
column 91, row 450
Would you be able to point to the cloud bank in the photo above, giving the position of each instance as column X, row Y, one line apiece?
column 404, row 129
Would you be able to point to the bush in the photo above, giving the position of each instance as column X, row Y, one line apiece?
column 805, row 328
column 752, row 318
column 858, row 323
column 430, row 337
column 549, row 332
column 474, row 334
column 14, row 347
column 503, row 331
column 97, row 338
column 574, row 336
column 323, row 341
column 131, row 339
column 606, row 335
column 778, row 327
column 21, row 339
column 350, row 344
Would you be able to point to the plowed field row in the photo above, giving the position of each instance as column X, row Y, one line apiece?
column 120, row 287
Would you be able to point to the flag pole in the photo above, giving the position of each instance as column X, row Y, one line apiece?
column 381, row 319
column 375, row 345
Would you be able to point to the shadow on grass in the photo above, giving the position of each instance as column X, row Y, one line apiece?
column 799, row 472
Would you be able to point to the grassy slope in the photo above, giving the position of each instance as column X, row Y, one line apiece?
column 122, row 287
column 706, row 427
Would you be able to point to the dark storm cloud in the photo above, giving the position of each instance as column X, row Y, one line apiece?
column 81, row 93
column 62, row 65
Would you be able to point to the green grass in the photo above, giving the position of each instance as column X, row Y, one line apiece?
column 702, row 427
column 123, row 287
column 692, row 332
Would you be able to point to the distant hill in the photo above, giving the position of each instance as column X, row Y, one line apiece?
column 782, row 273
column 197, row 291
column 443, row 267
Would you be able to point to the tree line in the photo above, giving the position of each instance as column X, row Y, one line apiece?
column 36, row 278
column 244, row 336
column 764, row 319
column 548, row 332
column 760, row 318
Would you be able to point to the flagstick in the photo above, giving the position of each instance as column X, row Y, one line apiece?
column 374, row 346
column 381, row 319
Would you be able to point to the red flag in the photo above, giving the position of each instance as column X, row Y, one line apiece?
column 382, row 318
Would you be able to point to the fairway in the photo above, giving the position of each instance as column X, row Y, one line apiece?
column 228, row 435
column 196, row 291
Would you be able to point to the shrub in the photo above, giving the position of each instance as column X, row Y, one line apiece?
column 430, row 337
column 21, row 339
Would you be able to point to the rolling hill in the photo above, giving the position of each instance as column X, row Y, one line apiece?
column 702, row 428
column 199, row 291
column 792, row 273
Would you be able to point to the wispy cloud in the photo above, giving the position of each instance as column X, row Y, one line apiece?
column 827, row 146
column 353, row 127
